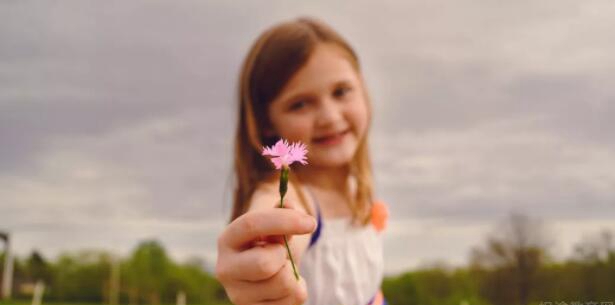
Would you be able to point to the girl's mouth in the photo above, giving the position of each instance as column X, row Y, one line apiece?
column 331, row 139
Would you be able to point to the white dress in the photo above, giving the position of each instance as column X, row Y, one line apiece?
column 343, row 264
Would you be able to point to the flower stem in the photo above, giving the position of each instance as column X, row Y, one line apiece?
column 283, row 189
column 292, row 262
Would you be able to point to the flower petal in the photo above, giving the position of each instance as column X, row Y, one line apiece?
column 285, row 154
column 281, row 147
column 298, row 152
column 277, row 161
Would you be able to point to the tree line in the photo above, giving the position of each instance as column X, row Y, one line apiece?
column 147, row 276
column 513, row 266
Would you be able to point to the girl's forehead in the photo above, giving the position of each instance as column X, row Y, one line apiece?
column 327, row 65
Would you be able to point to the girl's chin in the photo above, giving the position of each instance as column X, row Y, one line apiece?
column 330, row 164
column 331, row 159
column 332, row 155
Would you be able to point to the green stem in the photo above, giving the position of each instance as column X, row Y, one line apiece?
column 292, row 262
column 283, row 188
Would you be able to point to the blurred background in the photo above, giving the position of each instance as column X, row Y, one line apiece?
column 493, row 143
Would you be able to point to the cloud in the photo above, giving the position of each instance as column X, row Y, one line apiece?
column 484, row 171
column 159, row 178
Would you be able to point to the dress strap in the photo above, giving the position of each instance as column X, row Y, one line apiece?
column 316, row 233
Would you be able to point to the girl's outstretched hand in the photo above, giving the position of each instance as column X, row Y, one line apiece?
column 253, row 263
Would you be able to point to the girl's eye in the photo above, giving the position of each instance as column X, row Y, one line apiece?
column 298, row 105
column 340, row 92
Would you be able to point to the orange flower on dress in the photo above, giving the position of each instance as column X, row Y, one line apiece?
column 380, row 214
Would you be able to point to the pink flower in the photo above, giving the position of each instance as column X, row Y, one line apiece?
column 284, row 154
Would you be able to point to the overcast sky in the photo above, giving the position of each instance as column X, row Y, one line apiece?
column 116, row 119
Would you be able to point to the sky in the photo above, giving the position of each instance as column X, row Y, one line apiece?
column 116, row 119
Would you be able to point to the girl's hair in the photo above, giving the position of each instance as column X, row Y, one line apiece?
column 273, row 59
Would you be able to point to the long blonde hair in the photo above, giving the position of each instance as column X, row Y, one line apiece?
column 273, row 59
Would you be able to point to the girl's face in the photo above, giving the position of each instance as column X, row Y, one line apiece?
column 324, row 106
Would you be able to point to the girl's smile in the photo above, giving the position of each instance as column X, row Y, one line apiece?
column 331, row 139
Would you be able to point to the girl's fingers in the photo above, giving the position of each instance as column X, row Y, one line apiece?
column 288, row 300
column 288, row 204
column 282, row 288
column 258, row 263
column 261, row 223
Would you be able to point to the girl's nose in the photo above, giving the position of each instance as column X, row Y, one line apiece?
column 329, row 113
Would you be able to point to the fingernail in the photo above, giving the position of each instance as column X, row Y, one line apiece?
column 309, row 222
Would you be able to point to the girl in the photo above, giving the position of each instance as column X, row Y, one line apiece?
column 301, row 81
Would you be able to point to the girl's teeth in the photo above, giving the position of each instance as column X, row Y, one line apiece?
column 330, row 139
